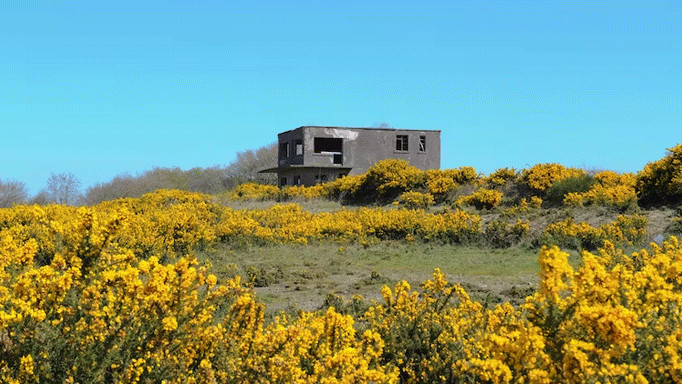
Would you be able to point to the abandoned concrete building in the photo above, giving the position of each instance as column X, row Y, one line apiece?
column 309, row 155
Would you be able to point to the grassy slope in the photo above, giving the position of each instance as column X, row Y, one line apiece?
column 291, row 277
column 300, row 277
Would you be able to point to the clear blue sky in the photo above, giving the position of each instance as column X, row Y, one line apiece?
column 99, row 88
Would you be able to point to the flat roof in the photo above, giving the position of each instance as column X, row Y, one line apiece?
column 297, row 166
column 362, row 128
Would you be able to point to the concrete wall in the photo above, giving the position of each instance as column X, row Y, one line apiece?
column 309, row 176
column 360, row 149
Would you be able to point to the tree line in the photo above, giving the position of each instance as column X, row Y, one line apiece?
column 65, row 188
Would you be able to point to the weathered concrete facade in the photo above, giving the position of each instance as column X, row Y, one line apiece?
column 311, row 154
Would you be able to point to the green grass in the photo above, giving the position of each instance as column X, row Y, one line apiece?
column 290, row 277
column 287, row 277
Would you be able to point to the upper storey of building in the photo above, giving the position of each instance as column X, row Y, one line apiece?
column 357, row 149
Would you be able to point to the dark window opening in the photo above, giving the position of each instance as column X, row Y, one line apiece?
column 283, row 182
column 328, row 144
column 284, row 150
column 321, row 178
column 297, row 180
column 401, row 143
column 338, row 158
column 422, row 143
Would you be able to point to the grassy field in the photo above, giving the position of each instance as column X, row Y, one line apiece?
column 292, row 277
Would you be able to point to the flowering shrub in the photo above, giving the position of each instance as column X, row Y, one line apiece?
column 502, row 176
column 302, row 192
column 535, row 202
column 290, row 224
column 347, row 187
column 482, row 198
column 500, row 234
column 574, row 184
column 439, row 184
column 416, row 200
column 255, row 191
column 611, row 189
column 441, row 335
column 101, row 295
column 541, row 176
column 391, row 176
column 626, row 230
column 384, row 180
column 597, row 323
column 462, row 175
column 97, row 313
column 660, row 182
column 602, row 321
column 524, row 206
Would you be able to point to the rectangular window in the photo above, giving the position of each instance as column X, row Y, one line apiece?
column 297, row 180
column 283, row 150
column 422, row 143
column 328, row 144
column 283, row 182
column 401, row 143
column 299, row 147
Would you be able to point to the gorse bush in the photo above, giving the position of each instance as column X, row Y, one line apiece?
column 575, row 184
column 609, row 189
column 299, row 192
column 500, row 234
column 540, row 177
column 482, row 198
column 255, row 191
column 524, row 206
column 660, row 182
column 389, row 178
column 625, row 230
column 439, row 184
column 112, row 293
column 101, row 312
column 416, row 200
column 502, row 176
column 596, row 323
column 462, row 175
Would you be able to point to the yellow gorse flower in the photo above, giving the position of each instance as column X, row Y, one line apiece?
column 112, row 293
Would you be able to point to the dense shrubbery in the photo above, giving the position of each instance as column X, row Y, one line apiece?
column 609, row 189
column 502, row 176
column 111, row 293
column 500, row 234
column 255, row 191
column 482, row 198
column 625, row 230
column 540, row 177
column 574, row 184
column 660, row 182
column 416, row 200
column 386, row 181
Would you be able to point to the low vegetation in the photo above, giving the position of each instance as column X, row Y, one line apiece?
column 263, row 285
